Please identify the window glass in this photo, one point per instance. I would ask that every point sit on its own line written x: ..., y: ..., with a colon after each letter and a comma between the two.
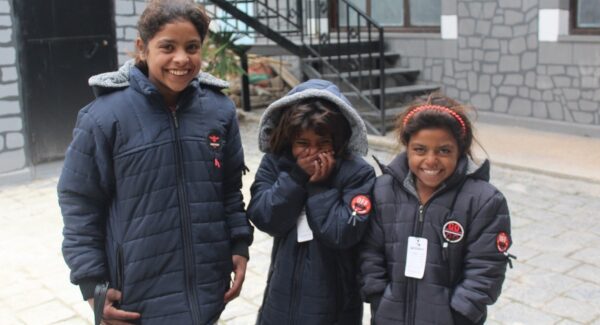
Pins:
x: 344, y: 12
x: 388, y: 12
x: 588, y: 14
x: 426, y: 12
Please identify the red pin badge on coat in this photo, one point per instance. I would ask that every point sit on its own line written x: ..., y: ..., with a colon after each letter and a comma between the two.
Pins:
x: 502, y: 241
x: 453, y: 231
x: 361, y: 204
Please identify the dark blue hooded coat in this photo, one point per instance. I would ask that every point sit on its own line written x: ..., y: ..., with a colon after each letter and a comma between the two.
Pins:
x: 312, y: 282
x: 462, y: 276
x: 151, y: 199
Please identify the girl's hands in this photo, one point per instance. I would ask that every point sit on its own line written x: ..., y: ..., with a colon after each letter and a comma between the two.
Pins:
x: 319, y: 166
x: 111, y: 315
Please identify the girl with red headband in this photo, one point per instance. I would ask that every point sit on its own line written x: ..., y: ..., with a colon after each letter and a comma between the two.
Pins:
x: 436, y: 251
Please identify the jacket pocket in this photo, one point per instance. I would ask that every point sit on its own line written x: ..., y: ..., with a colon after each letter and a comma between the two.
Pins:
x: 120, y: 280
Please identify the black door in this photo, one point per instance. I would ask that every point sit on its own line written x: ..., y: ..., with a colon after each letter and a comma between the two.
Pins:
x: 61, y: 43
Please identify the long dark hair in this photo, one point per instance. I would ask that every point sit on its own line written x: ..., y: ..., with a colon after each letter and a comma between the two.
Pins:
x: 321, y: 116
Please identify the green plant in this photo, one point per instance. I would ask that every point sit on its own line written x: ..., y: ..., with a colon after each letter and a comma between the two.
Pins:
x: 221, y: 55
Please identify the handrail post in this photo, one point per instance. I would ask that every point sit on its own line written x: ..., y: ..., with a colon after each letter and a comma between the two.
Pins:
x: 300, y: 12
x: 245, y: 90
x: 382, y: 80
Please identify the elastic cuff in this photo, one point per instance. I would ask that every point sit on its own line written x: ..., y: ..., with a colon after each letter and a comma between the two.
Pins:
x: 316, y: 188
x: 299, y: 175
x: 240, y: 247
x: 87, y: 287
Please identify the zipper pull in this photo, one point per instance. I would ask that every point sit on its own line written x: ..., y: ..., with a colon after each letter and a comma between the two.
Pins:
x: 217, y: 163
x: 445, y: 251
x: 509, y: 258
x: 420, y: 213
x: 174, y: 114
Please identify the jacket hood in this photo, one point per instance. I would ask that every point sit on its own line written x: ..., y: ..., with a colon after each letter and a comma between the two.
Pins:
x: 110, y: 81
x: 321, y: 89
x: 466, y: 167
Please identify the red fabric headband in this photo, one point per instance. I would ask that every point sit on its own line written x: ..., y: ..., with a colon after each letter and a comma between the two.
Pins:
x: 439, y: 109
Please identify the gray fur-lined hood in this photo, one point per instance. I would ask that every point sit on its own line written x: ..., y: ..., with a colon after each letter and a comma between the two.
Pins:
x: 110, y: 81
x: 321, y: 89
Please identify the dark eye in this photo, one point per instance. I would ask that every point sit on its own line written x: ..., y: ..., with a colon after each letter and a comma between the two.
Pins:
x: 301, y: 143
x: 445, y: 151
x: 167, y: 47
x: 419, y: 150
x: 193, y: 48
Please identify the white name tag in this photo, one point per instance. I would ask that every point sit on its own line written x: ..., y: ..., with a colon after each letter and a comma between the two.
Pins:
x: 304, y: 232
x: 416, y: 256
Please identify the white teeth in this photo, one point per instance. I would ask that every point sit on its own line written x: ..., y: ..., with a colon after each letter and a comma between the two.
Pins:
x: 431, y: 171
x: 178, y: 72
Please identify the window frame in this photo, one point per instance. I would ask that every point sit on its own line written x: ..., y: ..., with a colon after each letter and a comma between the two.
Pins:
x: 573, y: 29
x: 406, y: 27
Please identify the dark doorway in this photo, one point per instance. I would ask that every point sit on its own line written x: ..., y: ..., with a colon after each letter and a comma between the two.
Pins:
x: 61, y: 43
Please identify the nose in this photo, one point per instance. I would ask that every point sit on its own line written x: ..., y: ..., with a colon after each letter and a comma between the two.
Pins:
x: 430, y: 159
x: 181, y: 57
x: 312, y: 150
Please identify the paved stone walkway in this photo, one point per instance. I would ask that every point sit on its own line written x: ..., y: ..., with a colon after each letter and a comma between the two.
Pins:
x: 556, y: 236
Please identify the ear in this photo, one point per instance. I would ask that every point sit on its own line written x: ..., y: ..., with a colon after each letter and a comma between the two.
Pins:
x: 141, y: 48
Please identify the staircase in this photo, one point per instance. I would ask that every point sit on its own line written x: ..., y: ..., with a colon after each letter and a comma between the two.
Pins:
x: 347, y: 49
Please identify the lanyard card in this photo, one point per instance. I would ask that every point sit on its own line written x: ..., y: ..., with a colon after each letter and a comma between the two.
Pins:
x: 304, y: 232
x: 416, y: 256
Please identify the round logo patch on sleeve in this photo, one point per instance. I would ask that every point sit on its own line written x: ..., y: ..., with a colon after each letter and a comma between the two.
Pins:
x: 502, y: 241
x: 453, y: 231
x: 361, y: 204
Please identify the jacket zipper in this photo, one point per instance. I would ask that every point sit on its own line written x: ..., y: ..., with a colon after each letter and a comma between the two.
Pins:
x: 297, y: 281
x: 412, y: 283
x: 190, y: 276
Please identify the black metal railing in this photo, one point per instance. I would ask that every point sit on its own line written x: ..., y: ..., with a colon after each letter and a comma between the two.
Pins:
x: 347, y: 46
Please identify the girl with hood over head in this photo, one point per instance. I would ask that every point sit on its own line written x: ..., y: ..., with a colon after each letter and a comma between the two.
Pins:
x: 312, y: 194
x: 150, y: 192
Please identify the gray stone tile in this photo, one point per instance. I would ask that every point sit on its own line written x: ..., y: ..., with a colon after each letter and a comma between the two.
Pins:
x: 47, y: 313
x: 518, y: 313
x: 572, y: 309
x: 552, y: 261
x: 587, y: 272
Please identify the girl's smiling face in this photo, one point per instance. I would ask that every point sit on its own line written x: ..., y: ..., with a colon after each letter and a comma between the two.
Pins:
x: 173, y: 57
x: 432, y: 158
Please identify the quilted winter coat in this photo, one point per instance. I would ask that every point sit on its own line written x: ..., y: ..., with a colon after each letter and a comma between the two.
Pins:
x: 151, y: 199
x: 463, y: 273
x: 313, y: 282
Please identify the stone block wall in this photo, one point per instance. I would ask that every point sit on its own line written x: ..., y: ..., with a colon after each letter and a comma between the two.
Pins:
x: 12, y: 132
x: 127, y: 13
x: 503, y: 63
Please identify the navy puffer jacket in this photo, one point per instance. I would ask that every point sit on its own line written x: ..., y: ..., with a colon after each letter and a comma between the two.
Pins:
x: 152, y: 199
x: 462, y: 276
x: 313, y: 282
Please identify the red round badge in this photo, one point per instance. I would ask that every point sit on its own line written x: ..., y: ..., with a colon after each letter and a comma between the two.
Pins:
x: 361, y: 204
x: 453, y: 231
x: 502, y: 242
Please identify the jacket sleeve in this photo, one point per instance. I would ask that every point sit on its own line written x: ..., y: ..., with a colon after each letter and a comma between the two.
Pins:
x: 372, y: 260
x: 235, y: 214
x: 277, y: 195
x: 329, y: 210
x: 84, y: 194
x: 484, y: 263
